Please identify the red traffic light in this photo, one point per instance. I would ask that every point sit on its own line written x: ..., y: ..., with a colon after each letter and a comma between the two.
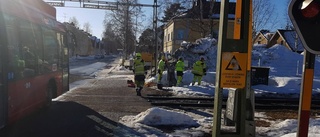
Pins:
x: 310, y: 8
x: 305, y: 17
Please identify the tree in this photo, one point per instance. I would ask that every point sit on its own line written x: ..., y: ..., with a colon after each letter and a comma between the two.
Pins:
x: 173, y: 10
x: 199, y: 17
x: 87, y: 27
x: 289, y: 25
x: 263, y: 16
x: 123, y: 24
x: 110, y: 39
x: 73, y: 20
x: 146, y: 41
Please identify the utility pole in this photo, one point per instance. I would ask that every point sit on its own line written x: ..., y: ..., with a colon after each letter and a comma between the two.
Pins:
x: 155, y: 35
x: 136, y: 41
x: 126, y: 30
x: 64, y: 17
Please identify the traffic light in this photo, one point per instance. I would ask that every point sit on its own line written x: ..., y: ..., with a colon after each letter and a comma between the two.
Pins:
x: 305, y: 17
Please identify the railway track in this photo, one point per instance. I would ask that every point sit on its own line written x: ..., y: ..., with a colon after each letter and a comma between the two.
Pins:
x: 208, y: 102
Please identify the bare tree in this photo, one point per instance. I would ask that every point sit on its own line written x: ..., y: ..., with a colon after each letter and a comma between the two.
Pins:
x: 87, y: 27
x: 289, y: 25
x: 263, y: 15
x: 199, y: 17
x: 73, y: 20
x: 124, y: 24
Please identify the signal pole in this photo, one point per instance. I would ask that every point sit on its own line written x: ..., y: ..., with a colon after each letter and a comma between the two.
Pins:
x: 306, y: 94
x: 237, y: 51
x: 305, y: 17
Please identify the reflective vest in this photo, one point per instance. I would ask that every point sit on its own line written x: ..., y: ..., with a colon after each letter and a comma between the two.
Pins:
x: 180, y: 66
x: 199, y: 68
x: 138, y: 67
x: 161, y: 65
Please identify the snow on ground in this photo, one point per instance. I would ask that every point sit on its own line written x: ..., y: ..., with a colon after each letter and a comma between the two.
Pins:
x: 284, y: 81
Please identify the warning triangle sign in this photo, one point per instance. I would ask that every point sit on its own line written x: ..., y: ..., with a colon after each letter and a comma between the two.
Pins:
x: 233, y: 64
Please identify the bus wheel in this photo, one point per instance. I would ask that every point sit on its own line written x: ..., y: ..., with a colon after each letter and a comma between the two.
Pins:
x: 50, y: 91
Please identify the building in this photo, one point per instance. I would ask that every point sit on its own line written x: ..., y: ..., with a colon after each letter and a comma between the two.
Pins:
x: 287, y: 38
x: 191, y: 26
x: 263, y: 37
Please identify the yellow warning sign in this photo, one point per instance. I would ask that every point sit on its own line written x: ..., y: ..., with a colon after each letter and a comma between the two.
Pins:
x: 233, y: 70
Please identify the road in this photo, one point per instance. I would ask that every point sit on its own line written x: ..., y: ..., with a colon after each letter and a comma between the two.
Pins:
x: 92, y: 110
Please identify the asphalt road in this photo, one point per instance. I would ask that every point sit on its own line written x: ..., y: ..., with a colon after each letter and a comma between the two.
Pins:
x: 90, y: 111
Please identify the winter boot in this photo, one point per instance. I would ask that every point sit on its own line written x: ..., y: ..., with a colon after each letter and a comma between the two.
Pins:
x: 139, y: 91
x: 159, y: 86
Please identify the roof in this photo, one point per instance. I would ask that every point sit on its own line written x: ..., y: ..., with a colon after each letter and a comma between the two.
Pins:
x: 291, y: 37
x: 265, y: 34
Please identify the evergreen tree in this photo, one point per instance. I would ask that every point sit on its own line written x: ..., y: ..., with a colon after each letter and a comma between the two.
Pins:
x: 173, y: 10
x: 146, y: 41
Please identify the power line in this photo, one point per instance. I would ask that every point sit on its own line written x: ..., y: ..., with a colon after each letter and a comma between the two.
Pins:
x: 96, y: 4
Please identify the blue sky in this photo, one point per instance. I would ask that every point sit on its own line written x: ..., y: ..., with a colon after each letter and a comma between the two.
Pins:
x: 95, y: 16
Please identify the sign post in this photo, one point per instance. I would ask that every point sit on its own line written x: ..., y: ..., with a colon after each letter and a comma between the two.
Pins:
x: 234, y: 70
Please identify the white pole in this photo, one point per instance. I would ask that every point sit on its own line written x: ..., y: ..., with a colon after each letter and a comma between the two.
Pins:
x: 297, y: 68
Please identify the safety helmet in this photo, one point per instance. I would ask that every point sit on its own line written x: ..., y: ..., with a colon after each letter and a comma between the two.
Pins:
x: 163, y: 57
x: 138, y: 55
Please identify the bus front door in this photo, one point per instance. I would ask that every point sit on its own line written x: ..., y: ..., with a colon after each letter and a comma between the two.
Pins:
x: 3, y: 83
x: 3, y: 97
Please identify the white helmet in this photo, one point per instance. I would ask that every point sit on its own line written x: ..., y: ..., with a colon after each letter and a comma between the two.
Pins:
x: 202, y: 58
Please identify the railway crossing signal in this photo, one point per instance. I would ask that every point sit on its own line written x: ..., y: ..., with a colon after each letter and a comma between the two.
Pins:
x: 305, y: 17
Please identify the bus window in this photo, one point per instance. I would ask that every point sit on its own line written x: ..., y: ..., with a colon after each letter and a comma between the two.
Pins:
x: 60, y: 40
x: 51, y: 48
x: 16, y: 63
x: 29, y: 47
x: 65, y: 52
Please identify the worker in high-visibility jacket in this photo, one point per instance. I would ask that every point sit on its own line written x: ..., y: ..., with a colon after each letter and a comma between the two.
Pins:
x: 139, y: 73
x: 161, y: 67
x: 179, y: 70
x: 199, y: 69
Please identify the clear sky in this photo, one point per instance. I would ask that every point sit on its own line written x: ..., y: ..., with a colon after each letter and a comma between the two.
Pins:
x: 96, y: 16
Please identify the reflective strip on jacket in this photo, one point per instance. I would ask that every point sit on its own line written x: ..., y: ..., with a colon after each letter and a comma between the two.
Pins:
x: 138, y: 67
x: 180, y: 66
x: 199, y: 68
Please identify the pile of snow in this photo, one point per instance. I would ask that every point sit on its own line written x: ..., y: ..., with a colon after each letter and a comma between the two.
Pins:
x: 280, y: 60
x: 146, y: 123
x: 158, y: 117
x: 191, y: 52
x: 285, y: 69
x: 79, y: 66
